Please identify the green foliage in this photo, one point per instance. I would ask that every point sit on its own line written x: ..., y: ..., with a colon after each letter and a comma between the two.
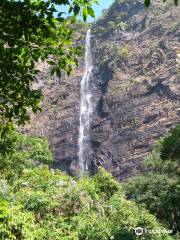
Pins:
x: 123, y: 52
x: 122, y: 25
x: 100, y: 30
x: 111, y: 26
x: 111, y: 20
x: 20, y: 151
x: 170, y: 148
x: 159, y: 189
x: 134, y: 122
x: 33, y: 31
x: 15, y: 223
x: 55, y: 206
x: 44, y: 204
x: 106, y: 185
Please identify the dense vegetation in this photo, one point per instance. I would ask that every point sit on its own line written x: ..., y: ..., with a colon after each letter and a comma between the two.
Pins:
x: 159, y: 189
x: 39, y: 203
x: 33, y: 31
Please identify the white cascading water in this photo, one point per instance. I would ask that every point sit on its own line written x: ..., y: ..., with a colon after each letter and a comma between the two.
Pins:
x: 85, y: 108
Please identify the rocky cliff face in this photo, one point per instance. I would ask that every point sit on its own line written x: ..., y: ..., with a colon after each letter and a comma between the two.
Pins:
x: 135, y: 85
x: 59, y: 118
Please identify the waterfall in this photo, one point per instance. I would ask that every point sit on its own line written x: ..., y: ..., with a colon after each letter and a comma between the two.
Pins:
x: 85, y: 109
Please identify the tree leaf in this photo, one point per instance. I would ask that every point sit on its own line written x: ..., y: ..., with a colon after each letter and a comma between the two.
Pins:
x: 147, y: 3
x: 91, y: 12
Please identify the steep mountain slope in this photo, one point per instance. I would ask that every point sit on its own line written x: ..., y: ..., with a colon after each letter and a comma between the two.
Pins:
x: 135, y: 85
x: 59, y: 118
x: 136, y: 81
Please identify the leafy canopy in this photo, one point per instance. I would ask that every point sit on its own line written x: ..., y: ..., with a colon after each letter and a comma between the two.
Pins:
x: 159, y: 189
x: 41, y: 204
x: 37, y: 203
x: 19, y: 152
x: 32, y: 31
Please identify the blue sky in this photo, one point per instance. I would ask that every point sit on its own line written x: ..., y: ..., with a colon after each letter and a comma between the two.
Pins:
x: 103, y: 4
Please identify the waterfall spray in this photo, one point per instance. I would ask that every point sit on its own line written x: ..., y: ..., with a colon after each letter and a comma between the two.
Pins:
x: 85, y: 109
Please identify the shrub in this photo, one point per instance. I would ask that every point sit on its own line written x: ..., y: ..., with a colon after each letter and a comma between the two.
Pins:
x: 16, y: 223
x: 42, y: 204
x: 159, y: 189
x: 19, y: 151
x: 123, y: 52
x: 56, y: 207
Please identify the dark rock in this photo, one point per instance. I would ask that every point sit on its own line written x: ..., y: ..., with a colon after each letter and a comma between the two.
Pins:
x: 136, y: 96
